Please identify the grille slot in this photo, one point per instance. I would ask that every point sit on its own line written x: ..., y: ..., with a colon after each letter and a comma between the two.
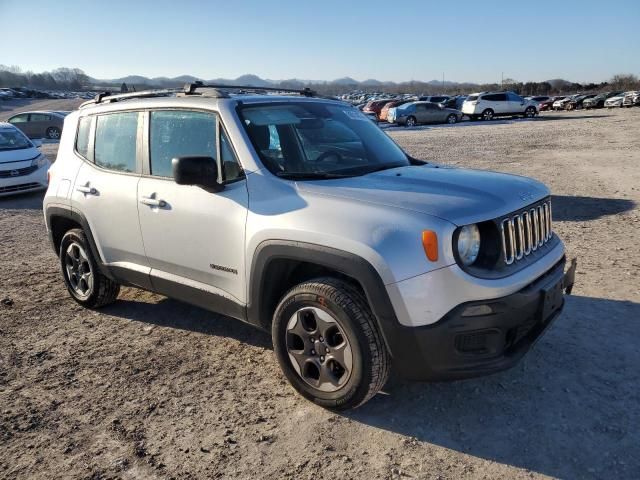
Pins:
x: 18, y: 172
x: 525, y: 232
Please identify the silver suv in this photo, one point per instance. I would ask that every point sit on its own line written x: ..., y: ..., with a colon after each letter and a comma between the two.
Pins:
x: 298, y: 215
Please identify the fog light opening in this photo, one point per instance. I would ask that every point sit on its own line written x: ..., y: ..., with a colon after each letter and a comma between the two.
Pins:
x: 477, y: 310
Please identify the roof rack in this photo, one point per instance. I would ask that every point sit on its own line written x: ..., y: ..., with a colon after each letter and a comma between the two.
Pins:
x: 191, y: 89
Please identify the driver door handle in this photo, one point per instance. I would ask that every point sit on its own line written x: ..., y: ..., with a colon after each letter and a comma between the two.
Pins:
x: 153, y: 202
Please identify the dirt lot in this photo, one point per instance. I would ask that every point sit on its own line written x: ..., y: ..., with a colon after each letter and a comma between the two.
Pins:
x: 153, y: 388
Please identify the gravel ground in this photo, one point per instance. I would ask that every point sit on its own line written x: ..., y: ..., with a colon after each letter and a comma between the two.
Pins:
x: 153, y: 388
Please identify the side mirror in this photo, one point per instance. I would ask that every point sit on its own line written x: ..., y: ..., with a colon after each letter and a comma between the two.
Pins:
x: 199, y: 171
x: 37, y: 143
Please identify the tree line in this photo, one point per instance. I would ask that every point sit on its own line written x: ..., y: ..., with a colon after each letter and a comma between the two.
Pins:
x: 58, y: 79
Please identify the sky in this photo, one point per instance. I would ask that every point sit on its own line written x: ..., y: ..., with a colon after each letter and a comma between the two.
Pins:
x: 397, y: 40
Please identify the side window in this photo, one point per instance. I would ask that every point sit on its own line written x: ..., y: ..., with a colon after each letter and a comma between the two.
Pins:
x: 231, y: 169
x: 39, y: 117
x: 115, y: 143
x: 501, y: 97
x: 82, y: 140
x: 180, y: 133
x: 515, y: 98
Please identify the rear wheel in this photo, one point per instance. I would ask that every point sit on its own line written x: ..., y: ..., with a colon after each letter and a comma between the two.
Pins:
x: 487, y: 114
x: 411, y: 121
x: 530, y: 112
x: 53, y: 133
x: 84, y: 281
x: 328, y: 345
x: 451, y: 119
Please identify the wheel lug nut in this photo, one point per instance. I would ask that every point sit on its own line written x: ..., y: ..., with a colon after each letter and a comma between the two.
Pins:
x: 311, y: 339
x: 322, y: 359
x: 321, y: 339
x: 313, y: 352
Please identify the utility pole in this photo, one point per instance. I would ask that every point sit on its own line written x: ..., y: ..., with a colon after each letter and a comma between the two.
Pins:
x: 442, y: 82
x: 502, y: 82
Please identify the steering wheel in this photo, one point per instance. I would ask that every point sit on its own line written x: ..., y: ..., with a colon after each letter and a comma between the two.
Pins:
x: 328, y: 154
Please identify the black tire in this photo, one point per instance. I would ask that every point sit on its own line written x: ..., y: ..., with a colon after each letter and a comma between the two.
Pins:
x: 451, y: 119
x: 349, y: 309
x: 53, y: 133
x: 529, y: 112
x: 411, y: 121
x: 487, y: 114
x: 102, y: 290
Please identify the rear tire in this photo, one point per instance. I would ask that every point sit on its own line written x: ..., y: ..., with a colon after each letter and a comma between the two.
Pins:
x: 411, y: 121
x: 327, y: 343
x: 529, y: 112
x: 487, y: 115
x: 84, y: 281
x: 451, y: 119
x: 53, y: 133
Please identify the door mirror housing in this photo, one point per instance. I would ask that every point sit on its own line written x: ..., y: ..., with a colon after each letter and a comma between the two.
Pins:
x: 199, y: 171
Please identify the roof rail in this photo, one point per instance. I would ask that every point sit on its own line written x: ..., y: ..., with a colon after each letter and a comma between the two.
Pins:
x: 191, y: 89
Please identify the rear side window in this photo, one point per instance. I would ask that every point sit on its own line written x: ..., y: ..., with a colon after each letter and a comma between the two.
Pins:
x: 472, y: 98
x: 39, y: 117
x: 180, y: 133
x: 115, y: 143
x: 82, y: 140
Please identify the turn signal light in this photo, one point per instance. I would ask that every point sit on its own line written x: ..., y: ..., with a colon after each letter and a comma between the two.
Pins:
x: 430, y: 244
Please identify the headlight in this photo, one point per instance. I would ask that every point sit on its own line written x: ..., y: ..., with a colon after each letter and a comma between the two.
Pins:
x: 39, y: 161
x: 468, y: 244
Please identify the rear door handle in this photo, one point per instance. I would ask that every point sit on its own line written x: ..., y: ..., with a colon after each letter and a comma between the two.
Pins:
x: 152, y: 202
x: 87, y: 190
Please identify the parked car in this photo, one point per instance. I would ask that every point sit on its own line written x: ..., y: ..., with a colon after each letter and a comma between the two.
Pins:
x: 375, y: 106
x: 39, y: 124
x: 576, y: 103
x: 22, y: 167
x: 631, y: 99
x: 415, y: 113
x: 6, y: 94
x: 598, y: 100
x: 561, y: 103
x: 454, y: 102
x: 343, y: 295
x: 615, y: 101
x: 434, y: 98
x: 385, y: 110
x: 487, y: 105
x: 545, y: 105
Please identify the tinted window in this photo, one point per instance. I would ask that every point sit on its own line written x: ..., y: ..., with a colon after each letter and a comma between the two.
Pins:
x: 515, y: 98
x: 472, y: 98
x: 438, y: 99
x: 39, y: 117
x: 432, y: 106
x: 180, y: 133
x: 82, y: 141
x: 495, y: 97
x: 115, y: 144
x: 19, y: 119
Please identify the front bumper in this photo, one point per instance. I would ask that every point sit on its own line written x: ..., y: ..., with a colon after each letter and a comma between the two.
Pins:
x: 462, y: 346
x: 32, y: 182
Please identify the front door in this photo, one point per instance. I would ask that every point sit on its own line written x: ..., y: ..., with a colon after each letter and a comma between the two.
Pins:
x: 194, y: 239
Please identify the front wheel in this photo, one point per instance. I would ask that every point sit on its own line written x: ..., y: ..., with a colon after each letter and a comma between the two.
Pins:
x: 84, y: 281
x: 328, y: 345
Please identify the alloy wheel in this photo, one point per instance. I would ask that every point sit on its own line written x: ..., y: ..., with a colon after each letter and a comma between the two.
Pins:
x: 78, y: 270
x: 318, y: 349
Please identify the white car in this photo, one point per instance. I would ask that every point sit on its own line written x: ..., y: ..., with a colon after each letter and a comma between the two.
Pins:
x: 615, y: 101
x: 23, y: 168
x: 487, y: 105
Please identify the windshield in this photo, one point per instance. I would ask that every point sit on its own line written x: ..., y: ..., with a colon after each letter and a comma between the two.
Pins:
x: 312, y: 139
x: 11, y: 139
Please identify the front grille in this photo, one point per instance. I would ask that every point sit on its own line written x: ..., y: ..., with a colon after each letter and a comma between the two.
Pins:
x: 19, y: 188
x: 525, y: 232
x: 18, y: 172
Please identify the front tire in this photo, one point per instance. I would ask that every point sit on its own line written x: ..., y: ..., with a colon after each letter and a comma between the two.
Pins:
x: 84, y: 281
x: 327, y: 343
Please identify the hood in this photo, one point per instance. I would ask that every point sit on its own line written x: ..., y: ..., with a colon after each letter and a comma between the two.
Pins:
x: 24, y: 154
x: 460, y: 196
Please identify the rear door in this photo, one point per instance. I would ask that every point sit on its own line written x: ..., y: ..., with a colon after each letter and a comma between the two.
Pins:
x: 194, y: 239
x: 516, y: 103
x: 105, y: 191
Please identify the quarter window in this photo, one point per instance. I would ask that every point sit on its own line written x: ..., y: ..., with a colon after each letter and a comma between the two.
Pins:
x: 230, y: 167
x: 179, y: 133
x: 115, y: 144
x: 82, y: 141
